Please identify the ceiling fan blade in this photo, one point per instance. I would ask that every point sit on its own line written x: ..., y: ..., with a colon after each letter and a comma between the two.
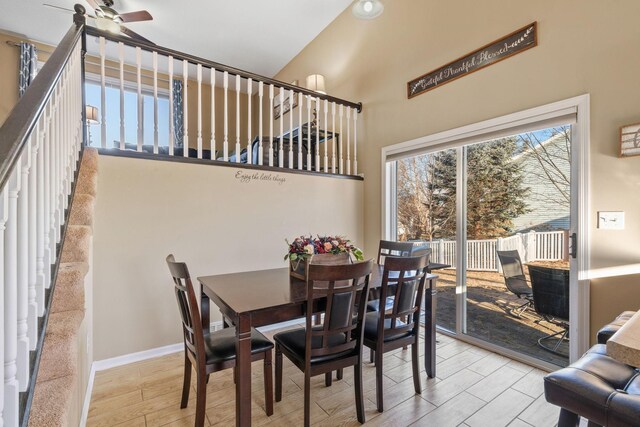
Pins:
x: 94, y: 4
x: 134, y: 35
x: 140, y: 15
x: 64, y: 9
x: 58, y: 7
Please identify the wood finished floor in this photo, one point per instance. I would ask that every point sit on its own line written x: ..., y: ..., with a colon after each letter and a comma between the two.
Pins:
x: 473, y: 388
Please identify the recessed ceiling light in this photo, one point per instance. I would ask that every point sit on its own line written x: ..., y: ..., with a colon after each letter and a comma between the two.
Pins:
x: 367, y: 9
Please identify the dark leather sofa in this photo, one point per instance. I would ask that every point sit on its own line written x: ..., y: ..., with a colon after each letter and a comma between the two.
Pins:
x: 597, y: 387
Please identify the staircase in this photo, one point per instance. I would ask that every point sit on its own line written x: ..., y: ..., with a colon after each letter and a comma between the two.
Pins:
x: 60, y: 384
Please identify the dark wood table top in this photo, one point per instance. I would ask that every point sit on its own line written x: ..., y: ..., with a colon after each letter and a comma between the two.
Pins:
x: 250, y: 291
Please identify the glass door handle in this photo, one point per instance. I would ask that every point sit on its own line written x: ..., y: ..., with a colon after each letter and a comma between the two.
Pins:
x: 573, y: 250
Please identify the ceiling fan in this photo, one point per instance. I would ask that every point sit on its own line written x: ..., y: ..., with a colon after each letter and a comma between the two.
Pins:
x: 108, y: 19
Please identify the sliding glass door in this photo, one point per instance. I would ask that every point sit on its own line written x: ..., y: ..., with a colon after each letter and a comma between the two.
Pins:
x: 496, y: 213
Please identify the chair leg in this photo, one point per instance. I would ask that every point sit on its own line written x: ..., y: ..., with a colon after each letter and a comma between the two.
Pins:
x: 372, y: 355
x: 186, y: 385
x: 357, y: 381
x: 201, y: 400
x: 307, y: 399
x: 415, y: 367
x: 278, y: 373
x: 268, y: 383
x: 568, y: 419
x: 379, y: 378
x: 339, y: 373
x: 328, y: 379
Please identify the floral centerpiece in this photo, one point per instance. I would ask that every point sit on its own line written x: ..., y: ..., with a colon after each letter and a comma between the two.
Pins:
x: 303, y: 248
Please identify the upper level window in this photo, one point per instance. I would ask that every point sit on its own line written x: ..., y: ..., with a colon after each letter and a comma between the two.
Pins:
x: 112, y: 120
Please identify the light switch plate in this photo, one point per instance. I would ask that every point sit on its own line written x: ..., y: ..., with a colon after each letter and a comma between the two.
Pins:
x: 611, y: 220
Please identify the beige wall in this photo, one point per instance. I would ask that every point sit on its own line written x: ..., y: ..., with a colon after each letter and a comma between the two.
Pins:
x: 9, y: 57
x: 584, y: 46
x: 9, y: 64
x: 207, y: 218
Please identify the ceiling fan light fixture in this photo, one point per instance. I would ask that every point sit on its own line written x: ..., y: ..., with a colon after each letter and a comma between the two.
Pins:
x: 106, y: 24
x: 367, y: 9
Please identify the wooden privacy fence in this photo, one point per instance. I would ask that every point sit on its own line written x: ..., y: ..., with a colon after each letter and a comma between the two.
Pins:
x: 482, y: 254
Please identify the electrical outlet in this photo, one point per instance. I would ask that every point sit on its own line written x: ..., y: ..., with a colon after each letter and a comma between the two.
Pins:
x: 613, y: 220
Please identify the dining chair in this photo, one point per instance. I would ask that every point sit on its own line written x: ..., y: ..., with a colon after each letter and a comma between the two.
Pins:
x: 399, y: 326
x: 550, y: 288
x: 337, y: 343
x: 210, y: 352
x: 515, y: 280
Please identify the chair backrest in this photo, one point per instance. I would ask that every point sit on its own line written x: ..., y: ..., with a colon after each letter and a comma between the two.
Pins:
x: 331, y: 259
x: 391, y: 248
x: 514, y: 278
x: 404, y: 279
x: 550, y: 288
x: 188, y: 308
x: 346, y: 288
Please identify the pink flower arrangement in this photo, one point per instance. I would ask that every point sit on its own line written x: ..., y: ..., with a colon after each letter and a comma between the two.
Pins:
x: 305, y: 247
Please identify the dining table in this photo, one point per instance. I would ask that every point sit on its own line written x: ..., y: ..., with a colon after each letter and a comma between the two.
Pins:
x: 266, y: 297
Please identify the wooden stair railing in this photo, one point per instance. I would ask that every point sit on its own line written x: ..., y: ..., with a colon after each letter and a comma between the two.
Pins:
x: 40, y: 146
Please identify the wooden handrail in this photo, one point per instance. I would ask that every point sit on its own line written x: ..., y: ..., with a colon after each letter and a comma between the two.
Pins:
x: 16, y: 130
x: 150, y: 47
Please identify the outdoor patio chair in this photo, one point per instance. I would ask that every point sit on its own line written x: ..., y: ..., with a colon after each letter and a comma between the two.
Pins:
x: 515, y: 280
x: 550, y: 288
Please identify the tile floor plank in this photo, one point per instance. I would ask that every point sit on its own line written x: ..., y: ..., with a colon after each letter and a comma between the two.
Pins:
x: 473, y: 387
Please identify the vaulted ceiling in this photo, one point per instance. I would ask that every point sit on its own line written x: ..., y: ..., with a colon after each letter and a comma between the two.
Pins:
x: 261, y: 36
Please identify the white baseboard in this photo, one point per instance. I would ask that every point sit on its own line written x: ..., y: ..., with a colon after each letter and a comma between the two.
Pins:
x: 113, y: 362
x: 286, y: 324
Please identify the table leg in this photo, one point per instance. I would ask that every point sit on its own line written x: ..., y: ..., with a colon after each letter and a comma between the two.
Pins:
x: 205, y: 312
x: 430, y: 329
x: 243, y: 370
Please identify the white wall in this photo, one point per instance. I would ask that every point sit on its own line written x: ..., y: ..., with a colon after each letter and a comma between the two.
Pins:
x: 207, y: 217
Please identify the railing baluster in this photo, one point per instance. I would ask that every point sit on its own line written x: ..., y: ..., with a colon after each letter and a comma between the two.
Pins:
x: 271, y: 125
x: 213, y: 113
x: 48, y: 255
x: 4, y: 213
x: 11, y: 385
x: 300, y: 160
x: 199, y: 77
x: 185, y: 108
x: 309, y: 100
x: 333, y: 137
x: 32, y: 308
x: 260, y: 149
x: 155, y: 102
x: 355, y: 142
x: 139, y: 99
x: 121, y: 57
x: 326, y: 136
x: 249, y: 93
x: 103, y: 96
x: 225, y: 146
x: 341, y: 137
x: 23, y: 269
x: 317, y: 168
x: 40, y: 278
x: 171, y: 102
x: 281, y: 145
x: 290, y: 127
x: 348, y: 140
x: 238, y: 149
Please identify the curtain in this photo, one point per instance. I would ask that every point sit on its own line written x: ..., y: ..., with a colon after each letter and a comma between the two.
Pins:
x: 28, y: 66
x: 178, y: 117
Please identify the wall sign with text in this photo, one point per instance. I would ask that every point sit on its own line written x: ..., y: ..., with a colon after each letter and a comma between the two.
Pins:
x: 516, y: 42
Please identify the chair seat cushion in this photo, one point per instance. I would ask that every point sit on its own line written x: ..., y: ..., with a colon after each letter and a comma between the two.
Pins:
x: 220, y: 346
x: 371, y: 328
x: 294, y: 342
x: 598, y: 388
